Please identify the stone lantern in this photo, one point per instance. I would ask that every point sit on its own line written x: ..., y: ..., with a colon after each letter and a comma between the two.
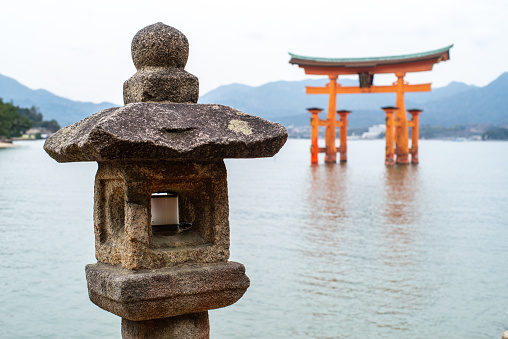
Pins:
x: 163, y: 279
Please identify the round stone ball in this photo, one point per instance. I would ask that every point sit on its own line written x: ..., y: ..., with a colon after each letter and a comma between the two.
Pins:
x: 159, y: 45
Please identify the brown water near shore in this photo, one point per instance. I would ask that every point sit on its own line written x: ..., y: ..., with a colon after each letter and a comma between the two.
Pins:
x: 6, y: 145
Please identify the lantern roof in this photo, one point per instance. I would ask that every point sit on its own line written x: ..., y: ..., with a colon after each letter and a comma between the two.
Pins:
x: 167, y: 131
x: 161, y: 119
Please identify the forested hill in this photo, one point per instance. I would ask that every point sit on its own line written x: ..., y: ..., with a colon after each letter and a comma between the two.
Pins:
x: 285, y: 102
x: 53, y: 107
x: 15, y: 121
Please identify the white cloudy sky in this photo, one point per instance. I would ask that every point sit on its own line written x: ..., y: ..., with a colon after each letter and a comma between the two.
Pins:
x: 81, y: 49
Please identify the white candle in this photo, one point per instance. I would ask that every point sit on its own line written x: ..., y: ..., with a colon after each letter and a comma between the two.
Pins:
x: 165, y: 209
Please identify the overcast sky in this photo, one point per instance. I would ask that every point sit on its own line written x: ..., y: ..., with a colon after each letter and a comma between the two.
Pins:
x: 81, y: 49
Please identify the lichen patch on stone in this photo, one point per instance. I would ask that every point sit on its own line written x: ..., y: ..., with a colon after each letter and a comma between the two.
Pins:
x: 66, y: 129
x: 240, y: 126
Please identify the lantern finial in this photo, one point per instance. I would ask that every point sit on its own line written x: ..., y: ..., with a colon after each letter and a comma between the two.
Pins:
x: 160, y: 53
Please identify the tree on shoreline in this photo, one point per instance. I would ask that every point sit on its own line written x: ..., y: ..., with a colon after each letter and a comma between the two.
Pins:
x: 37, y: 119
x: 14, y: 121
x: 498, y: 133
x: 11, y: 122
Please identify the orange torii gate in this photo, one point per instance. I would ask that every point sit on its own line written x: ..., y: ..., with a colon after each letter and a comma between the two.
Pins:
x: 366, y: 68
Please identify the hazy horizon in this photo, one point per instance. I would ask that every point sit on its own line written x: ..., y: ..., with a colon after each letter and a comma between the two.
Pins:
x: 81, y: 50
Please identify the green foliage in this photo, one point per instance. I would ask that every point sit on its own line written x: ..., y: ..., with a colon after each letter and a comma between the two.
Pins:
x: 51, y: 125
x: 15, y: 120
x: 31, y: 113
x: 37, y: 119
x: 11, y: 122
x: 499, y: 133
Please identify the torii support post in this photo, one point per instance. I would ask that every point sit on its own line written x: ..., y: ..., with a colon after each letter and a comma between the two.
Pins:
x: 314, y: 133
x: 331, y: 150
x: 343, y: 134
x: 415, y: 133
x: 401, y: 125
x: 389, y: 136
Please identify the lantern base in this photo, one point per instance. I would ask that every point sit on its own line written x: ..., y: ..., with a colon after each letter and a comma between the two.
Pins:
x: 166, y: 292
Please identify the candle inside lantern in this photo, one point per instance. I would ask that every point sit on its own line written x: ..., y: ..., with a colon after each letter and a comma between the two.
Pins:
x: 164, y: 209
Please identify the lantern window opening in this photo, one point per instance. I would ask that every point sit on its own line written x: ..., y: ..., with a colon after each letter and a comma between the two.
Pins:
x: 165, y: 214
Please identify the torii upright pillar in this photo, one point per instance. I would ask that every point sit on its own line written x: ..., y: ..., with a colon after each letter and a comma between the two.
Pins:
x: 401, y: 126
x: 330, y: 135
x: 415, y: 133
x: 389, y: 135
x: 314, y: 133
x: 343, y: 134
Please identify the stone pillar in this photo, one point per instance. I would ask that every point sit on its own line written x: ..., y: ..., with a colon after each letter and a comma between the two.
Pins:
x: 187, y: 326
x: 162, y: 279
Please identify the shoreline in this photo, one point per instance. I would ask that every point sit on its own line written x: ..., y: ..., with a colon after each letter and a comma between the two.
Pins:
x: 6, y: 145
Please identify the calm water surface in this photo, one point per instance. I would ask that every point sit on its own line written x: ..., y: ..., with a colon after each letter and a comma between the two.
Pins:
x: 334, y: 251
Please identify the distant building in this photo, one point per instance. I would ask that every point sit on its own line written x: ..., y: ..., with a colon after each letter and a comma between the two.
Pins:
x: 375, y: 132
x: 36, y: 133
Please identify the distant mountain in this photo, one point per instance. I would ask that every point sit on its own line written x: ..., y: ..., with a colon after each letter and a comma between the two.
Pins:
x: 479, y: 105
x: 286, y: 101
x: 51, y: 106
x: 454, y: 87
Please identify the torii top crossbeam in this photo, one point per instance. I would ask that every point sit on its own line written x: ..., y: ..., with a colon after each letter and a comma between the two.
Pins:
x: 366, y: 68
x: 417, y: 62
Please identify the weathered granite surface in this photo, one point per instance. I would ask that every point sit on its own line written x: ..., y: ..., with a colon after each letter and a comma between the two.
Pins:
x: 159, y: 45
x: 122, y: 213
x: 187, y: 326
x: 160, y: 53
x: 162, y: 293
x: 155, y: 131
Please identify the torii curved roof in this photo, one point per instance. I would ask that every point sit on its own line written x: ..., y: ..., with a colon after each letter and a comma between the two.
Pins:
x: 387, y: 64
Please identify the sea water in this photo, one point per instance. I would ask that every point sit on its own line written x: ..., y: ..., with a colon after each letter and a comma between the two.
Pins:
x: 355, y: 250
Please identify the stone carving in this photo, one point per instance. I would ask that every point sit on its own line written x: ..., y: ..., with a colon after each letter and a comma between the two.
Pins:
x: 163, y: 141
x: 160, y: 53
